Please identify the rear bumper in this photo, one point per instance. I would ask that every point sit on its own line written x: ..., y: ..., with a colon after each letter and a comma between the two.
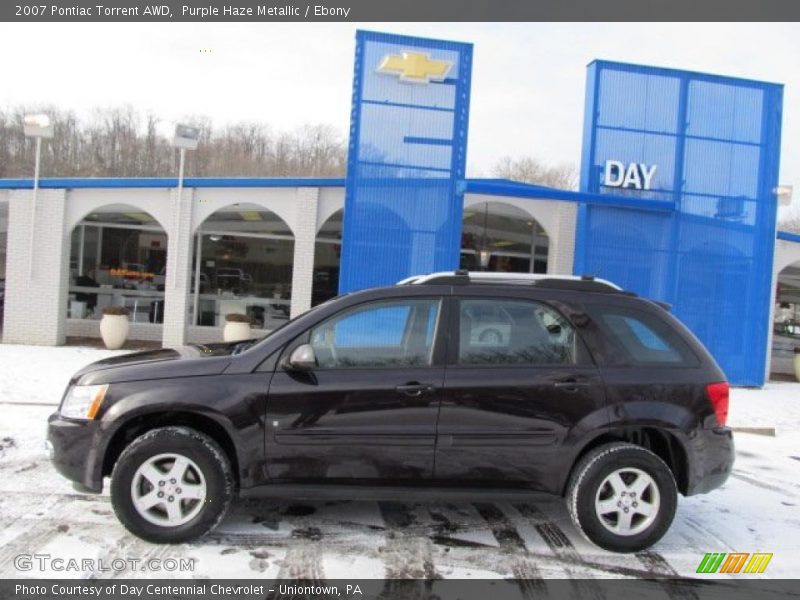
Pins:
x: 72, y: 446
x: 711, y: 456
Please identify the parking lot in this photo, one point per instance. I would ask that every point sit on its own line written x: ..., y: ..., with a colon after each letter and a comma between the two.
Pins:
x: 40, y: 514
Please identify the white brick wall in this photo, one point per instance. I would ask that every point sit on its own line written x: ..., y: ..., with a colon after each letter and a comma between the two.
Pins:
x: 305, y: 234
x: 561, y: 253
x: 179, y: 261
x: 36, y: 298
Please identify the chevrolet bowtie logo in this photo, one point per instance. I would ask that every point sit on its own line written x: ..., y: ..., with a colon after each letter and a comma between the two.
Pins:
x: 415, y: 67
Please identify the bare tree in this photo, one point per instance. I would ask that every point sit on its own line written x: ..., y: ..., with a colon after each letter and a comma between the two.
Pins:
x: 527, y: 169
x: 790, y: 223
x: 119, y: 142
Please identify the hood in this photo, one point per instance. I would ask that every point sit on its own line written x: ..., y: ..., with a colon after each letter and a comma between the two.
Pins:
x: 185, y: 361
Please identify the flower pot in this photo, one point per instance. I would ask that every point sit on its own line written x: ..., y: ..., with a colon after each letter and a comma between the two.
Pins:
x: 236, y: 332
x: 797, y: 366
x: 114, y: 330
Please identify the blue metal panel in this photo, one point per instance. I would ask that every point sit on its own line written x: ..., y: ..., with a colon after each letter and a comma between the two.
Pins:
x: 715, y: 142
x: 789, y: 236
x: 404, y: 199
x: 514, y: 189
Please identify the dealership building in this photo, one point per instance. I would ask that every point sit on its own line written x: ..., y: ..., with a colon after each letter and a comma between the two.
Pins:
x: 678, y: 202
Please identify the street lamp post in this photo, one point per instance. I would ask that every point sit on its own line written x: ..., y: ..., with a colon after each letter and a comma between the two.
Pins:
x: 38, y: 127
x: 485, y: 253
x: 186, y: 138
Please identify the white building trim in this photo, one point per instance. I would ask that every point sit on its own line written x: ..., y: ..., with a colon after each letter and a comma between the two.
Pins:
x: 36, y: 308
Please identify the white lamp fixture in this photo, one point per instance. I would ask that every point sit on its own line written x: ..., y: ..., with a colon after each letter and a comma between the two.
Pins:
x: 784, y: 194
x: 186, y: 137
x: 40, y: 127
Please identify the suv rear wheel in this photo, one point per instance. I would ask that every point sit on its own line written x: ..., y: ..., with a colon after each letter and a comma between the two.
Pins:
x: 622, y: 497
x: 171, y: 485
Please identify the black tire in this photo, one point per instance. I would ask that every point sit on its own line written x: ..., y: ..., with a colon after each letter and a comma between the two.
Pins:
x: 588, y: 484
x: 214, y: 472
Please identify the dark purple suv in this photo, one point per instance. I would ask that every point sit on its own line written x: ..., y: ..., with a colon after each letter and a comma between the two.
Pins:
x: 450, y: 382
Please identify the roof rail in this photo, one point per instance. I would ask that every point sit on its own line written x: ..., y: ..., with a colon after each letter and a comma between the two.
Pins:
x: 463, y: 277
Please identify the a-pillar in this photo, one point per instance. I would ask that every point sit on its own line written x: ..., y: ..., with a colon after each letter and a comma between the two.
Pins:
x: 305, y: 235
x: 37, y: 273
x: 178, y: 276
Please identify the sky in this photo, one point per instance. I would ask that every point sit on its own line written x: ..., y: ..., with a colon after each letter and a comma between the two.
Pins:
x: 527, y: 88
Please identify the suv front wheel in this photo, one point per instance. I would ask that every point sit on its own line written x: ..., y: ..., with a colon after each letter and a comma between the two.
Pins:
x: 171, y: 485
x: 622, y: 497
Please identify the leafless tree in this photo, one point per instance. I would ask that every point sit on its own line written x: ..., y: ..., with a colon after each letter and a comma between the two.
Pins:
x: 120, y: 142
x: 531, y: 170
x: 790, y: 223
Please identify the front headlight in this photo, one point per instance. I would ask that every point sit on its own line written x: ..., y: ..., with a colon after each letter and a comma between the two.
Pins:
x: 83, y: 401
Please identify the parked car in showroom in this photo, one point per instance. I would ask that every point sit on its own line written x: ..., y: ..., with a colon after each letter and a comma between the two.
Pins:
x: 594, y: 394
x: 229, y: 278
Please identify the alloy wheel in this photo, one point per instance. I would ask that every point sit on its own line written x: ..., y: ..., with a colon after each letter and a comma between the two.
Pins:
x: 627, y: 501
x: 168, y: 490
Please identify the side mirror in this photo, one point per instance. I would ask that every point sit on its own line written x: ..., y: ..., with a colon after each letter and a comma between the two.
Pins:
x: 302, y: 358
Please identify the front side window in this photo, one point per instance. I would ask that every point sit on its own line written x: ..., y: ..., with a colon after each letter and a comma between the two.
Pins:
x: 513, y: 332
x: 397, y: 333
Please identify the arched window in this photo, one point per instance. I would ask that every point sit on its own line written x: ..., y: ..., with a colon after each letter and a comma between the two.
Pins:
x: 500, y: 237
x: 118, y: 257
x: 242, y: 263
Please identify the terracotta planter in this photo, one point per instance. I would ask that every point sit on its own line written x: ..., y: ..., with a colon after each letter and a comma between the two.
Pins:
x: 236, y: 332
x: 114, y: 330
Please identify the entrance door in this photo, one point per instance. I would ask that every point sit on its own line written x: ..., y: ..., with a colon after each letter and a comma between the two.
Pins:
x: 369, y: 409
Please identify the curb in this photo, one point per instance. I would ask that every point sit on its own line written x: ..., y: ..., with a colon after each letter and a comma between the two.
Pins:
x: 769, y: 431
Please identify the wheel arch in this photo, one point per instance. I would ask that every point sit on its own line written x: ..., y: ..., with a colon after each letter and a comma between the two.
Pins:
x: 142, y: 423
x: 660, y: 442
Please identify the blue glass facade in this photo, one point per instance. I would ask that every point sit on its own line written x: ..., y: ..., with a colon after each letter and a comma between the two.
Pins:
x: 406, y: 161
x: 711, y: 147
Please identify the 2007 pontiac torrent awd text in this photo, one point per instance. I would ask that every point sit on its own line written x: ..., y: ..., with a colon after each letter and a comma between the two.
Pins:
x: 453, y: 382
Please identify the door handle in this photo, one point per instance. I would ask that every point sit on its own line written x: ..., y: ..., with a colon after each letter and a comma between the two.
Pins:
x: 570, y: 385
x: 414, y: 390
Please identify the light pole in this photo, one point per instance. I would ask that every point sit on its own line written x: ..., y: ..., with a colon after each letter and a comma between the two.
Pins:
x: 485, y: 254
x: 39, y: 127
x: 186, y: 138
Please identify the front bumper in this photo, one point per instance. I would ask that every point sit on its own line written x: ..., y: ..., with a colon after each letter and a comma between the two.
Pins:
x: 711, y: 455
x: 73, y: 448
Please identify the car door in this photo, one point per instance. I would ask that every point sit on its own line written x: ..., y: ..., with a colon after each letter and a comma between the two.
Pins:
x: 368, y: 410
x: 517, y: 391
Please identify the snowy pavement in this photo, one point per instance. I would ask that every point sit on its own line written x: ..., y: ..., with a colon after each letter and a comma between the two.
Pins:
x: 756, y: 511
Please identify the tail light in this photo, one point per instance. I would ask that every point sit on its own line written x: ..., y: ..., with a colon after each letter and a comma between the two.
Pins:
x: 718, y: 394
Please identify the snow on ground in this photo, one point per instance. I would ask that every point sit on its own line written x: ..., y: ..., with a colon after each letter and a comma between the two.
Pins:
x: 39, y: 374
x: 756, y: 510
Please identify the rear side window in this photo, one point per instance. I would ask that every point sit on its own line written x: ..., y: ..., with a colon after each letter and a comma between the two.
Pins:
x: 513, y: 332
x: 639, y: 338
